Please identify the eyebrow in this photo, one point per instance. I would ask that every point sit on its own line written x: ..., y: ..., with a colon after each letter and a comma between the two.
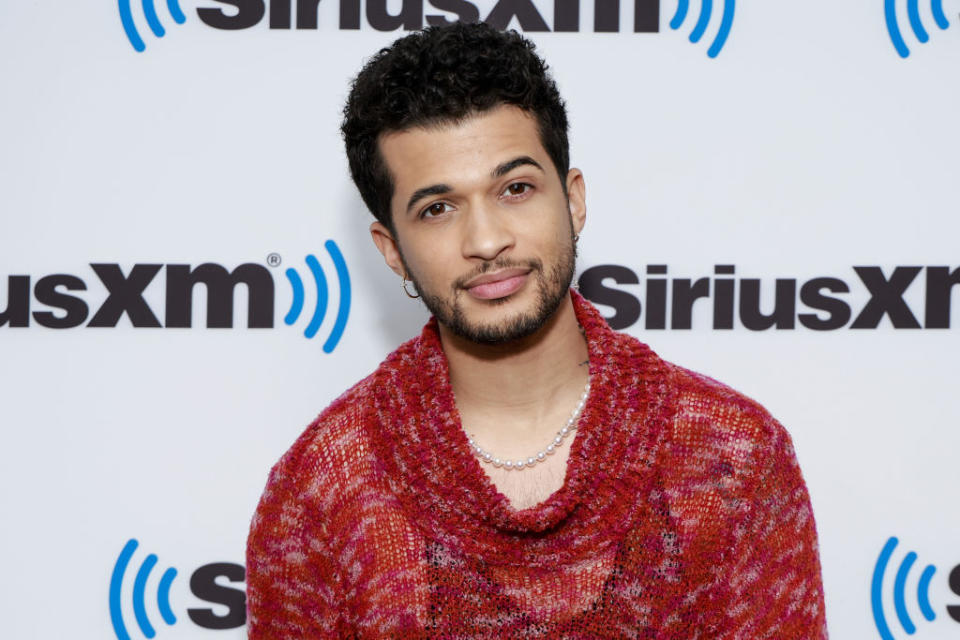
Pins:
x: 426, y: 192
x: 510, y: 165
x: 498, y: 172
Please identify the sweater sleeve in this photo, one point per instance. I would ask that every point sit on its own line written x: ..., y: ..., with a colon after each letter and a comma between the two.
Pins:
x: 773, y: 576
x: 293, y: 589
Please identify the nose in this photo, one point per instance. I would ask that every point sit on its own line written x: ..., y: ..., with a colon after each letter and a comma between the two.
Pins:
x: 486, y: 233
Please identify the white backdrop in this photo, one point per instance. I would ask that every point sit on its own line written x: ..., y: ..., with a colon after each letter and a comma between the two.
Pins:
x: 807, y: 147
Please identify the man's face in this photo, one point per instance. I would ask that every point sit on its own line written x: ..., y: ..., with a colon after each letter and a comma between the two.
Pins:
x: 481, y: 223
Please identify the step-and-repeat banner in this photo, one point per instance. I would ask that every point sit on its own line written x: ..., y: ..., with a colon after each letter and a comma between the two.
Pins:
x: 186, y: 276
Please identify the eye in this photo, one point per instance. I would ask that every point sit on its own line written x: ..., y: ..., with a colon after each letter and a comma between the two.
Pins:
x: 435, y: 209
x: 516, y: 189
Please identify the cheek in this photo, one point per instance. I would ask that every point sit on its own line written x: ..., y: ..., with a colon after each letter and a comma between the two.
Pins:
x: 551, y: 229
x: 432, y: 264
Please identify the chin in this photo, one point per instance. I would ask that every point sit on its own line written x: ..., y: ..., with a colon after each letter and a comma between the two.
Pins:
x: 501, y: 333
x: 508, y: 319
x: 506, y: 326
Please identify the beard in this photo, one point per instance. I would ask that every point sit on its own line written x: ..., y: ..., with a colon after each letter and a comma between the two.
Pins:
x: 551, y: 288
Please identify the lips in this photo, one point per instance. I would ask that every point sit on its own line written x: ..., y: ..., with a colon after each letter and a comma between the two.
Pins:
x: 501, y: 284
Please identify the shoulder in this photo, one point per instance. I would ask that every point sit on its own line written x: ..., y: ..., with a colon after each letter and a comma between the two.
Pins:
x: 710, y: 427
x: 713, y: 417
x: 321, y: 458
x: 294, y: 587
x: 332, y: 460
x: 722, y: 456
x: 722, y: 452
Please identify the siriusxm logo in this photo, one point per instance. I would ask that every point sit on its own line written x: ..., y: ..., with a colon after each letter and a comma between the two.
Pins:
x: 320, y: 309
x: 126, y: 296
x: 916, y: 23
x: 235, y: 15
x: 150, y: 15
x: 920, y: 597
x: 730, y: 298
x: 706, y: 7
x: 202, y: 584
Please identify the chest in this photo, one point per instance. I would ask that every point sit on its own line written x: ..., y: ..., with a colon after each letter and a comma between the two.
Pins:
x: 530, y: 486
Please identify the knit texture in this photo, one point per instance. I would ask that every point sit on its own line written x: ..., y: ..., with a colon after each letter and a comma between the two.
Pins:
x: 683, y: 515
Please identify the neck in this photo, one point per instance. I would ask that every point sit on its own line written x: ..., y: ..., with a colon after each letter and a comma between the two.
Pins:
x: 519, y: 386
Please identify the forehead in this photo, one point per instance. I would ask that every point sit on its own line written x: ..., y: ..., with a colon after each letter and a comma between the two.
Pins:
x: 462, y: 152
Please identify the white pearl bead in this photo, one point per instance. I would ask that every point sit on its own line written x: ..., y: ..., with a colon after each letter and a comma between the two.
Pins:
x: 541, y: 455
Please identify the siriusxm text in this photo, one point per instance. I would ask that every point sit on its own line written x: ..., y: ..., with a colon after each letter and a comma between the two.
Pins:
x: 416, y: 14
x: 125, y: 295
x: 820, y: 303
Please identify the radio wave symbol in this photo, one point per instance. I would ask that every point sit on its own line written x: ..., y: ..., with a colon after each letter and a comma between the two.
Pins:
x: 150, y: 13
x: 700, y: 28
x: 139, y: 587
x: 913, y: 13
x: 899, y: 584
x: 320, y: 280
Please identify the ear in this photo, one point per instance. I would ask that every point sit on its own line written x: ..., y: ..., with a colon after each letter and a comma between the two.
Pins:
x: 577, y: 195
x: 387, y: 246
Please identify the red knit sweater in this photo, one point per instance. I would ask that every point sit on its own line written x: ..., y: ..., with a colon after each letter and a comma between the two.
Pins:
x: 683, y: 515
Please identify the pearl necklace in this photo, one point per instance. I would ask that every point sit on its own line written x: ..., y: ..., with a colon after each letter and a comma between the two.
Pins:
x: 509, y: 465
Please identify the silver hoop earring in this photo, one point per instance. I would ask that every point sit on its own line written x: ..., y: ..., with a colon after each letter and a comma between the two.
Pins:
x: 403, y: 285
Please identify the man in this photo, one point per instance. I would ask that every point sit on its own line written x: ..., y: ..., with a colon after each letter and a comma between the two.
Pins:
x: 519, y: 470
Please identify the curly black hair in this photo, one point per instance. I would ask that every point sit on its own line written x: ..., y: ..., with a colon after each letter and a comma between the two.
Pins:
x: 441, y: 75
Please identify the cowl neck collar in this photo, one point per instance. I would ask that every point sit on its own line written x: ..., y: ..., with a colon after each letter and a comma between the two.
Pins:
x: 420, y: 445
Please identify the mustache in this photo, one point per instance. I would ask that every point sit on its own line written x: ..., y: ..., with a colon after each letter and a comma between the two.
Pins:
x: 533, y: 264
